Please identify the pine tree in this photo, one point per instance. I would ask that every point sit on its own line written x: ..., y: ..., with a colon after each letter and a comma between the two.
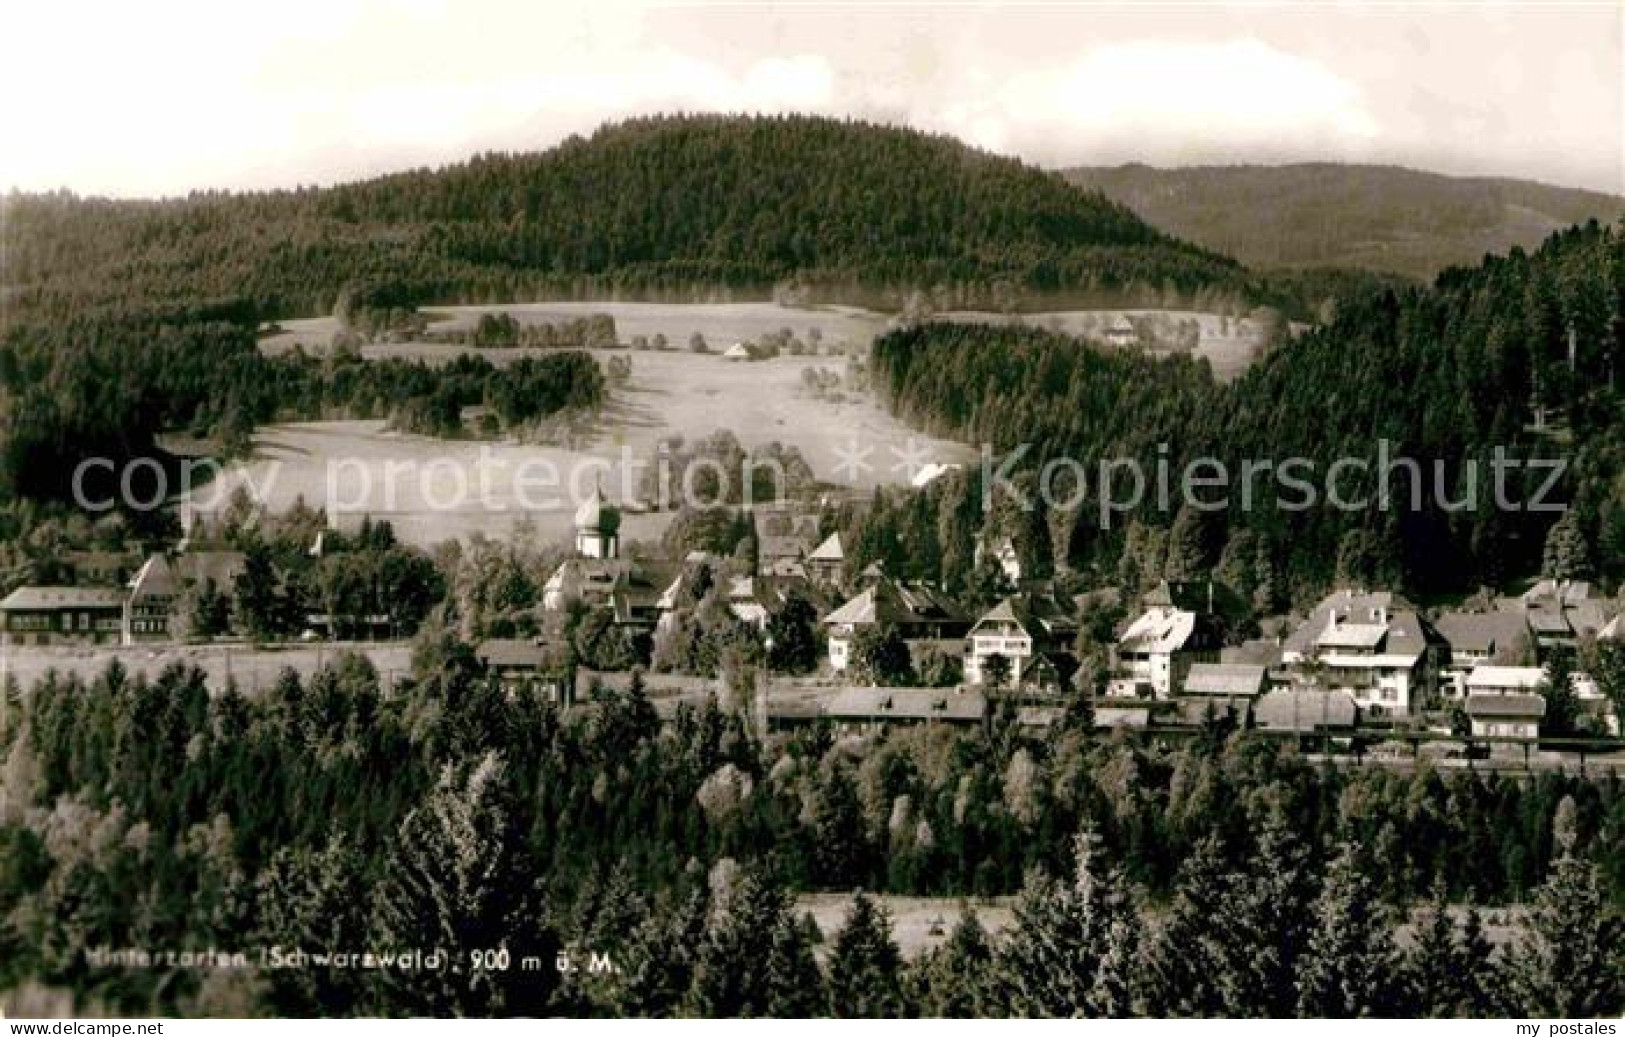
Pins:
x: 865, y: 967
x: 840, y: 855
x: 315, y: 902
x: 1445, y: 965
x: 1190, y: 550
x: 755, y: 960
x: 951, y: 981
x: 1265, y: 924
x: 1349, y: 966
x: 1189, y: 959
x: 460, y: 883
x: 1570, y: 961
x: 1567, y: 555
x: 1051, y: 964
x: 658, y: 964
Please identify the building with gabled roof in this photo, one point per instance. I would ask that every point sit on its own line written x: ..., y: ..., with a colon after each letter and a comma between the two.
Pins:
x: 1376, y: 647
x: 1505, y: 716
x: 918, y: 613
x: 62, y: 615
x: 639, y: 592
x: 153, y: 608
x: 1158, y: 647
x: 1225, y: 680
x: 1476, y: 639
x: 1306, y: 711
x: 520, y: 663
x: 1030, y: 630
x: 1505, y: 680
x: 827, y: 561
x: 862, y: 709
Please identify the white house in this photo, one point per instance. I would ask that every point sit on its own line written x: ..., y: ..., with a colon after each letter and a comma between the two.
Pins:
x: 1376, y: 647
x: 1504, y: 680
x: 1026, y: 629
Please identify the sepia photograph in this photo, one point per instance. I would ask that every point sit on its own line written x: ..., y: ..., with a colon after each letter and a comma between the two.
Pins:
x: 655, y: 510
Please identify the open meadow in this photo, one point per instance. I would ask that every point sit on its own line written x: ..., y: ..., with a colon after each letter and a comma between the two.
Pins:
x: 434, y: 490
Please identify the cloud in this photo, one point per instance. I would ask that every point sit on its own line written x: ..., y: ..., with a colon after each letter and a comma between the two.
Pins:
x: 1160, y: 98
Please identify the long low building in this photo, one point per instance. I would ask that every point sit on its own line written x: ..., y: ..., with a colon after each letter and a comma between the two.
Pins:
x: 62, y: 615
x: 868, y: 708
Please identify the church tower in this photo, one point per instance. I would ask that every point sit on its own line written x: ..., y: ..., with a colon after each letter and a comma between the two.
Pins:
x: 598, y: 525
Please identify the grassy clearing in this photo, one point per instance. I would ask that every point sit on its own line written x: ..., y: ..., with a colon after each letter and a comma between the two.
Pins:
x: 918, y: 923
x: 677, y: 393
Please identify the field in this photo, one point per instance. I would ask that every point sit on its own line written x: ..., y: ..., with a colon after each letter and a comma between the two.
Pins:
x: 252, y: 668
x: 433, y: 490
x: 918, y: 923
x: 722, y: 324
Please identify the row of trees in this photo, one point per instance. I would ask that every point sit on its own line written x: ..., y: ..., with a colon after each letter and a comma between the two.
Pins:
x: 109, y: 385
x: 325, y: 813
x: 1522, y: 355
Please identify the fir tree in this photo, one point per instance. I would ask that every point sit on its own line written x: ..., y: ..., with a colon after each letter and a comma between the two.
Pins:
x: 1570, y: 961
x: 1349, y: 966
x: 1567, y: 555
x: 1051, y: 964
x: 951, y: 981
x: 461, y: 884
x: 865, y: 966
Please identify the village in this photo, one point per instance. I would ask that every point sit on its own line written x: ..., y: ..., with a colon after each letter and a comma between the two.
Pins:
x: 1365, y: 675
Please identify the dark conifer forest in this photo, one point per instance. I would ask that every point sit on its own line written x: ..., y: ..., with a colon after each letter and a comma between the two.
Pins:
x: 1524, y: 353
x: 688, y: 207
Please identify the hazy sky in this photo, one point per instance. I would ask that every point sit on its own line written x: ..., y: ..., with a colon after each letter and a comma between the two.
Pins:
x: 154, y: 97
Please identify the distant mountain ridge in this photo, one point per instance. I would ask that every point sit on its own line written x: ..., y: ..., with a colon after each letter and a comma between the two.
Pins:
x: 1385, y: 218
x: 674, y: 207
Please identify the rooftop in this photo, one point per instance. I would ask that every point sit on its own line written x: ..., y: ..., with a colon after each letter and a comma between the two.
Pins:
x: 1224, y: 679
x: 24, y: 598
x: 1506, y: 706
x: 1292, y: 709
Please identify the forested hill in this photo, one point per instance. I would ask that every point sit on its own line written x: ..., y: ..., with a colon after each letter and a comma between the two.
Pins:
x: 675, y: 207
x: 1323, y: 214
x: 1446, y: 373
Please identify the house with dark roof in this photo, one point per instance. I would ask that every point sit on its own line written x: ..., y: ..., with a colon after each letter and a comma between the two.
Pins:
x: 1034, y: 632
x: 1306, y: 711
x: 158, y: 590
x: 1225, y: 680
x: 102, y: 568
x: 1375, y: 647
x: 786, y: 536
x: 917, y: 612
x: 62, y: 615
x: 867, y: 709
x: 519, y: 663
x: 1478, y: 639
x: 1505, y: 716
x: 639, y: 591
x: 1560, y: 613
